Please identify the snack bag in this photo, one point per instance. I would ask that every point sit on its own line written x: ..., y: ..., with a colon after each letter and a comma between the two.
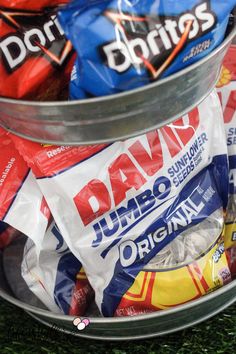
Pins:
x: 56, y: 276
x: 124, y: 44
x: 22, y: 204
x: 7, y: 234
x: 35, y: 57
x: 145, y: 215
x: 227, y: 93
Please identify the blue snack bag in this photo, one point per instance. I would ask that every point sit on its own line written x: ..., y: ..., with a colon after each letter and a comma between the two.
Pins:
x: 125, y: 44
x: 74, y: 86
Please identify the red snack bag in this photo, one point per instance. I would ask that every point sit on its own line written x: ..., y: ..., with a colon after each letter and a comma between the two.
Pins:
x: 35, y: 57
x: 22, y: 205
x: 227, y: 92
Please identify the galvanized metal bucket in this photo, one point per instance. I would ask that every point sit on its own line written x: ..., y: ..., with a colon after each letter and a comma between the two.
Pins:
x: 130, y: 328
x: 117, y: 116
x: 108, y: 119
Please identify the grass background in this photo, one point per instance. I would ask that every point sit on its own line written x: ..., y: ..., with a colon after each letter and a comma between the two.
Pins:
x: 21, y: 334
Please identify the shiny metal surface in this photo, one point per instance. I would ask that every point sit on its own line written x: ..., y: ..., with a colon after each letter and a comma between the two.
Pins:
x: 130, y: 328
x: 117, y: 116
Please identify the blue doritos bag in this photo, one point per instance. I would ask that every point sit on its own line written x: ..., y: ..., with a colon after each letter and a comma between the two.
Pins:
x: 126, y: 44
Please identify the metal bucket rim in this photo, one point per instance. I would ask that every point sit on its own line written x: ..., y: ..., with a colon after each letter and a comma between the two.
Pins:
x: 110, y: 98
x: 136, y: 337
x: 110, y: 320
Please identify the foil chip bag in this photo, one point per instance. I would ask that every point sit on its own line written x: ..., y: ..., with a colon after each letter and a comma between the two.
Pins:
x: 122, y: 45
x: 35, y: 57
x: 145, y: 216
x: 55, y: 275
x: 227, y: 92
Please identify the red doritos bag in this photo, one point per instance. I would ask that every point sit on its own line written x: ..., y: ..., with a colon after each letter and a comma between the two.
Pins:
x: 35, y: 57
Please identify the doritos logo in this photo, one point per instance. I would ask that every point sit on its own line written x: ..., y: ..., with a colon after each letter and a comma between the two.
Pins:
x: 31, y: 34
x: 154, y: 42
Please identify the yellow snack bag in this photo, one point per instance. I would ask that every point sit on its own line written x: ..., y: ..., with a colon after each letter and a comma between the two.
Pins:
x: 183, y: 271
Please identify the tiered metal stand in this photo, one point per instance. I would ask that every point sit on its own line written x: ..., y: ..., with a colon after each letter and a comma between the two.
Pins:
x: 108, y: 119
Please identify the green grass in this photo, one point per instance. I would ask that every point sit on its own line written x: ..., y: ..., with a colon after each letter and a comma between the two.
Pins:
x: 215, y: 336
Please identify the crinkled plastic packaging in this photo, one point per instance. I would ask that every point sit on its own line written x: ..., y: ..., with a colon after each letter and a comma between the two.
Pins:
x: 50, y: 270
x: 22, y: 204
x: 56, y: 276
x: 35, y: 57
x: 227, y: 93
x: 124, y: 44
x: 145, y: 215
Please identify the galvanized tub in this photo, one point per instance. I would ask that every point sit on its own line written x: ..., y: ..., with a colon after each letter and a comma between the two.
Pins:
x: 130, y: 328
x: 117, y: 116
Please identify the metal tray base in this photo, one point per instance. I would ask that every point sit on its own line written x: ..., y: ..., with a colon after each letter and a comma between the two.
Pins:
x: 137, y: 327
x: 156, y: 331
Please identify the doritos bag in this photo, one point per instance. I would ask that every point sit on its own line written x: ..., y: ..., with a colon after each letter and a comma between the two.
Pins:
x: 35, y: 57
x: 125, y: 44
x: 56, y: 276
x: 145, y: 215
